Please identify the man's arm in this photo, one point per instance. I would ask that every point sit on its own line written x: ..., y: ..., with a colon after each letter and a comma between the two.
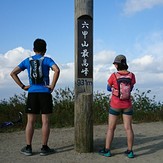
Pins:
x: 14, y: 75
x: 56, y: 70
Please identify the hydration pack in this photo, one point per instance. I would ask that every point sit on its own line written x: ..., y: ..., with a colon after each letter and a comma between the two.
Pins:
x: 124, y: 86
x: 36, y: 74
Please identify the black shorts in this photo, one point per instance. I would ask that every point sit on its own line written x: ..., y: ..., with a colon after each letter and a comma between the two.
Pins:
x: 39, y: 103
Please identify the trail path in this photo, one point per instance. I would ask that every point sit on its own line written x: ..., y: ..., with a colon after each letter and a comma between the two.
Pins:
x: 148, y: 146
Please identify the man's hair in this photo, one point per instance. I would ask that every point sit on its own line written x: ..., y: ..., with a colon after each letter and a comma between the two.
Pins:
x: 39, y: 45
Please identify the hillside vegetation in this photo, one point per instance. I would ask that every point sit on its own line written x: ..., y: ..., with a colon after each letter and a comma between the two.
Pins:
x: 145, y: 109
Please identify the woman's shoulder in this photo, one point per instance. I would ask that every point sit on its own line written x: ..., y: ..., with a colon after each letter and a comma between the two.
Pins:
x: 125, y: 72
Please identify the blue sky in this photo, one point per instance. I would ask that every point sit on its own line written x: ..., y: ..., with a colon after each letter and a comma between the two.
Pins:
x: 130, y: 27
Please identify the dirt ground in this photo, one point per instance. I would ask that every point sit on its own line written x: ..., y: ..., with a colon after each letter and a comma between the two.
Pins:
x: 148, y: 146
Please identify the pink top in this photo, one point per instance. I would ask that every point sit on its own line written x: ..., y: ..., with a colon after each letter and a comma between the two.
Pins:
x: 116, y: 102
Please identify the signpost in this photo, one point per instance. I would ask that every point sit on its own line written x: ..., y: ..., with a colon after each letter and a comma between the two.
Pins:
x: 83, y: 76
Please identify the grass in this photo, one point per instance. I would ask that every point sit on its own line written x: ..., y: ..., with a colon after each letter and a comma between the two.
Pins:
x: 145, y: 109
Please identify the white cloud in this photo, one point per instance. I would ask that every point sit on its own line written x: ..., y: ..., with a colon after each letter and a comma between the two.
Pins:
x: 143, y: 63
x: 133, y: 6
x: 103, y: 66
x: 147, y: 67
x: 104, y: 57
x: 8, y: 61
x: 148, y: 51
x: 15, y: 56
x: 66, y: 78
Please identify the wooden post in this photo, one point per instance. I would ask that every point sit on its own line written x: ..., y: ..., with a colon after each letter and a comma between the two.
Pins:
x: 83, y: 76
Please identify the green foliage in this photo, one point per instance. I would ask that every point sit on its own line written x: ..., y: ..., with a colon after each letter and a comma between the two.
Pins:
x: 145, y: 109
x: 63, y: 108
x: 100, y: 107
x: 9, y: 110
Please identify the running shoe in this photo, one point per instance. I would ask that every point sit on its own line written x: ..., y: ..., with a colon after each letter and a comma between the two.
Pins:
x: 46, y: 151
x: 129, y: 153
x: 26, y: 151
x: 105, y: 152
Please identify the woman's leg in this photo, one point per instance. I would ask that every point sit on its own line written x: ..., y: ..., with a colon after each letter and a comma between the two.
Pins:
x: 112, y: 121
x: 127, y: 120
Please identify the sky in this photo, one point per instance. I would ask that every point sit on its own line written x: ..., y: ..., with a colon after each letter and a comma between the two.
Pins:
x: 130, y: 27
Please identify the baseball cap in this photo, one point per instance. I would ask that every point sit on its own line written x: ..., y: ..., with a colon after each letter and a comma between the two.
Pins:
x: 120, y: 59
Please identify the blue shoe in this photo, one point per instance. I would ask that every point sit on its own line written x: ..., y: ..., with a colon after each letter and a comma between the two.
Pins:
x: 129, y: 153
x: 105, y: 152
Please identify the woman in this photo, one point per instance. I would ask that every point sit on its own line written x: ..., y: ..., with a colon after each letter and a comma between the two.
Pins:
x: 120, y: 104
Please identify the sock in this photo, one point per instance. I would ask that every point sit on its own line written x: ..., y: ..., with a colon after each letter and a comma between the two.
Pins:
x: 44, y: 146
x: 106, y: 149
x: 29, y: 146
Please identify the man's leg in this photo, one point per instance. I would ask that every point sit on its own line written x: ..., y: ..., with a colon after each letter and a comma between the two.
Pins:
x: 45, y: 150
x: 27, y: 150
x: 45, y: 129
x: 31, y: 119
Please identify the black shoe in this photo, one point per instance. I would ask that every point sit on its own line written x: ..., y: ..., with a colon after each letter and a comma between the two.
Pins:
x: 46, y: 151
x: 26, y: 151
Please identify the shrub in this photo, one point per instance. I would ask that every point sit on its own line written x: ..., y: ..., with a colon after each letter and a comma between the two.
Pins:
x: 63, y: 108
x: 9, y: 110
x: 145, y: 108
x: 100, y: 107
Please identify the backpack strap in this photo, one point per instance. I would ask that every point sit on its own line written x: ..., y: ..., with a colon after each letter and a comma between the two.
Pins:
x: 118, y: 75
x: 30, y: 58
x: 115, y: 91
x: 40, y: 60
x: 40, y: 67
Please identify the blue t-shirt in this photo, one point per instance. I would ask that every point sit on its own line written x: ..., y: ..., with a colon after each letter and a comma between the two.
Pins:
x: 46, y: 65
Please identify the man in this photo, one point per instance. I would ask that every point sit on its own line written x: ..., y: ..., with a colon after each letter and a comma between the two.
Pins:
x: 39, y: 93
